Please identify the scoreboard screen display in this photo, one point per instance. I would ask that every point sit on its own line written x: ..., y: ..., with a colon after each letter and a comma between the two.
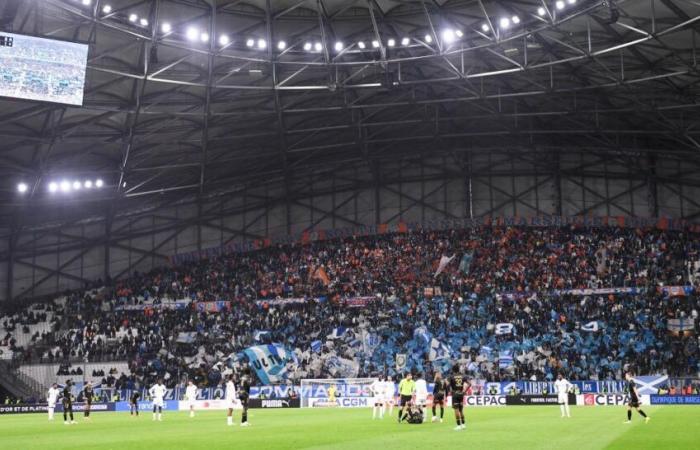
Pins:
x: 42, y: 69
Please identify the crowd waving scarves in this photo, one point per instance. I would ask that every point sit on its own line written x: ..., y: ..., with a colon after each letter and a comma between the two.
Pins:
x: 497, y: 300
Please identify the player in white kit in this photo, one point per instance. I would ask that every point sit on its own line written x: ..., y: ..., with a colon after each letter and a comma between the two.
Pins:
x: 191, y: 396
x: 52, y: 398
x: 421, y: 390
x: 562, y: 387
x: 157, y: 393
x: 230, y: 399
x: 389, y: 391
x: 377, y: 389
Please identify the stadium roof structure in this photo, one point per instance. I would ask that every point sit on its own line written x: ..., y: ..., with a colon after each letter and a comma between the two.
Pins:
x: 192, y: 101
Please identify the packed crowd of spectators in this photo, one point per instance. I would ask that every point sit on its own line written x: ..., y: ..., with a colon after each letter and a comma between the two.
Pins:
x: 513, y: 276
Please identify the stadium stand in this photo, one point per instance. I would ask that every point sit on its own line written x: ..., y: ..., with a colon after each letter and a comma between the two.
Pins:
x: 193, y: 320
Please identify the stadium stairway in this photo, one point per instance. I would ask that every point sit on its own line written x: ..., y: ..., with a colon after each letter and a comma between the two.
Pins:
x: 19, y: 384
x: 42, y: 375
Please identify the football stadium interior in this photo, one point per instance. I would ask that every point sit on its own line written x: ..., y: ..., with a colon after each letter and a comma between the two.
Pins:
x: 330, y: 220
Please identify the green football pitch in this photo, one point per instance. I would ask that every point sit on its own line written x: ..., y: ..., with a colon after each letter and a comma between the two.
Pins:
x: 520, y: 428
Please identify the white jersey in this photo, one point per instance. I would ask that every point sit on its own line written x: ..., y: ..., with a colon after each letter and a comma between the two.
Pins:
x: 562, y: 387
x: 377, y: 388
x: 389, y: 390
x: 230, y: 394
x: 191, y: 393
x: 52, y: 396
x: 421, y: 390
x: 157, y: 393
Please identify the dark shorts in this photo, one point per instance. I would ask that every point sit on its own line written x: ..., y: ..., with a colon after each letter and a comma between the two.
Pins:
x: 634, y: 402
x: 439, y: 398
x: 457, y: 400
x: 406, y: 399
x: 244, y: 400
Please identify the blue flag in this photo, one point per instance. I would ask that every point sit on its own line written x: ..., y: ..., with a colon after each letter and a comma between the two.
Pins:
x: 486, y: 351
x: 466, y: 262
x: 337, y: 333
x: 438, y: 350
x: 316, y: 346
x: 423, y: 334
x: 505, y: 360
x: 269, y: 362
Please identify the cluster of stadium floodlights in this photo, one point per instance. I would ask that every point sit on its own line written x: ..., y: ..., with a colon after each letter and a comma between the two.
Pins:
x: 448, y: 35
x: 65, y: 186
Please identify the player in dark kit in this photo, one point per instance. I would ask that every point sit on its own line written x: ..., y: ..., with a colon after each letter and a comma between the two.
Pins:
x: 439, y: 396
x: 634, y: 399
x: 67, y: 400
x: 88, y: 393
x: 244, y: 396
x: 458, y: 386
x: 134, y: 403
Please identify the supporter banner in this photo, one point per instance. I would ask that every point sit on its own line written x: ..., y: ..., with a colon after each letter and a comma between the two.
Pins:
x: 283, y: 301
x: 274, y: 403
x: 675, y: 291
x: 529, y: 400
x: 358, y: 302
x: 171, y: 405
x: 443, y: 224
x: 22, y: 409
x: 350, y: 302
x: 180, y: 305
x: 212, y: 307
x: 599, y: 291
x: 674, y: 399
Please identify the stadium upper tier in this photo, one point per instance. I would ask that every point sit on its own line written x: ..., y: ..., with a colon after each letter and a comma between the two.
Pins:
x: 519, y: 278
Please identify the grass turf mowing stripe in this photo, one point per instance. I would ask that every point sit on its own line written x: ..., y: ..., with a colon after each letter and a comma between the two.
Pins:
x: 520, y: 428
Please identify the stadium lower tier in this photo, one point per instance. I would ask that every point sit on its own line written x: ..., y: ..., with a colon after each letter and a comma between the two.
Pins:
x: 493, y: 428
